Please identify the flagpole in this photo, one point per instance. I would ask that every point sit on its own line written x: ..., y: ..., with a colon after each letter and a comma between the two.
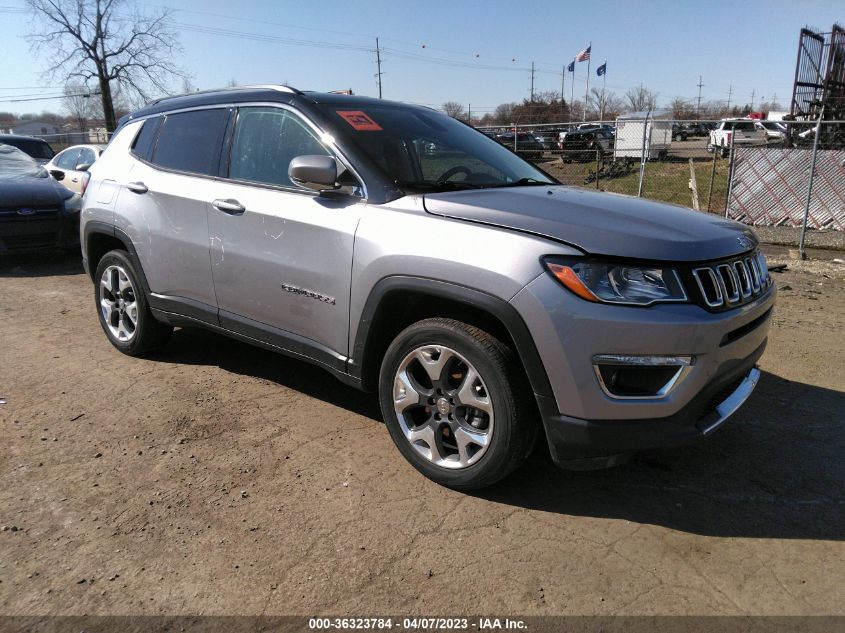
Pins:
x: 562, y: 86
x: 587, y: 89
x: 603, y: 82
x: 572, y: 98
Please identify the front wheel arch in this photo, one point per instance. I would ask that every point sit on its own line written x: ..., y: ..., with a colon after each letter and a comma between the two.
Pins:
x: 398, y: 301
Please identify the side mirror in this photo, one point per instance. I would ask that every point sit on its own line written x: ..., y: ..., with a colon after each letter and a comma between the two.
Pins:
x: 314, y: 172
x: 83, y: 167
x: 57, y: 174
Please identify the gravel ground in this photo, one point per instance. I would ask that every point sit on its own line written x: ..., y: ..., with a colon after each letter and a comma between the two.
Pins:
x: 215, y: 478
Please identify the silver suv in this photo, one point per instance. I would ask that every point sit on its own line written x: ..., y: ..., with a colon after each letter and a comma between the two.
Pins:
x: 408, y: 254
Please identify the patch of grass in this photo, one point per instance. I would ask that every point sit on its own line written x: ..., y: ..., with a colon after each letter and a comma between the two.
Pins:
x: 663, y: 181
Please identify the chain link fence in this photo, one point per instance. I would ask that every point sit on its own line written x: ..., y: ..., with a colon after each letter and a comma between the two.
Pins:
x: 761, y: 172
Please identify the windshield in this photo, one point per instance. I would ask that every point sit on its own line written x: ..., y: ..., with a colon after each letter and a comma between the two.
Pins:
x: 15, y: 164
x: 35, y: 148
x: 420, y: 150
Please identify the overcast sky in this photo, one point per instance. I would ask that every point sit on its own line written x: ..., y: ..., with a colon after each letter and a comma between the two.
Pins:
x: 474, y: 52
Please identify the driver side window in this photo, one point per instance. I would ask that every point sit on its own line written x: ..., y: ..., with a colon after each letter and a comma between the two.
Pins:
x: 266, y: 140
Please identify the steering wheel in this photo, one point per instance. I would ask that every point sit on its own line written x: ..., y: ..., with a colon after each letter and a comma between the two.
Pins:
x: 457, y: 169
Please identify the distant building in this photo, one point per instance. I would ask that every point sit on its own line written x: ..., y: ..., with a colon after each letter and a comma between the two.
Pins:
x: 57, y: 133
x: 38, y: 128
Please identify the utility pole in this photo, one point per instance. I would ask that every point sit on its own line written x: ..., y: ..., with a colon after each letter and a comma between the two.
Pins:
x: 532, y: 82
x: 698, y: 105
x: 378, y: 63
x: 730, y: 92
x: 751, y: 108
x: 469, y: 113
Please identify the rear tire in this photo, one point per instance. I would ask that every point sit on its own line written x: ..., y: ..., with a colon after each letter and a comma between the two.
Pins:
x: 123, y: 309
x: 456, y: 404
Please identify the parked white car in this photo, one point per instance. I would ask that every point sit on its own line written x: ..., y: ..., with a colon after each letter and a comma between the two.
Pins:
x: 775, y: 131
x: 69, y: 166
x: 735, y: 133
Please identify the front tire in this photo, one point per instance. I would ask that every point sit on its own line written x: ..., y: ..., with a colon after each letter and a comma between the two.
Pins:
x: 122, y: 306
x: 455, y: 401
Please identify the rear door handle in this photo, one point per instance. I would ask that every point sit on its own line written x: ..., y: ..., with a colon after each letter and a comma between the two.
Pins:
x: 137, y: 187
x: 232, y: 207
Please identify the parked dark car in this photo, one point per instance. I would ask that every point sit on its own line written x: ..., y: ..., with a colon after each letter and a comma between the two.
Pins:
x: 679, y: 132
x: 38, y: 148
x: 35, y: 210
x: 550, y: 137
x: 584, y: 144
x: 527, y: 145
x: 697, y: 129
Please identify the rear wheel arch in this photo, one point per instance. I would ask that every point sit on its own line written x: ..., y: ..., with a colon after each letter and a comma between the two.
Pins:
x: 397, y: 302
x: 100, y: 238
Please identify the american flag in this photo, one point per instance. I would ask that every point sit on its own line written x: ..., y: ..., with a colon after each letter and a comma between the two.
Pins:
x: 584, y: 55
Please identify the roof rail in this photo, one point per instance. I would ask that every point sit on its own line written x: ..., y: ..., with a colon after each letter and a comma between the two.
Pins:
x: 277, y: 87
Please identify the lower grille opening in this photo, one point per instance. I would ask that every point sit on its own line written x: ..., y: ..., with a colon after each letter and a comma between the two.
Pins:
x: 749, y: 327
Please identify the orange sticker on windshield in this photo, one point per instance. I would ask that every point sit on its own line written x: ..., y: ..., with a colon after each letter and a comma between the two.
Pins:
x: 359, y: 120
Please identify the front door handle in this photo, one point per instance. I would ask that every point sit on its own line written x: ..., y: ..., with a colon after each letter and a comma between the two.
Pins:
x: 232, y: 207
x: 137, y: 187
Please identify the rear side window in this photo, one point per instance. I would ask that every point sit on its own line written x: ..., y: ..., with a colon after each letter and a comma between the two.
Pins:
x: 86, y: 157
x: 143, y: 145
x: 67, y: 159
x: 191, y: 141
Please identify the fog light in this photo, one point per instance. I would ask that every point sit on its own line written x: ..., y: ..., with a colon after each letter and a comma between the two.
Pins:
x: 635, y: 377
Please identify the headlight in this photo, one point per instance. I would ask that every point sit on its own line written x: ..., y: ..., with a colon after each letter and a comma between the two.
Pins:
x: 619, y: 283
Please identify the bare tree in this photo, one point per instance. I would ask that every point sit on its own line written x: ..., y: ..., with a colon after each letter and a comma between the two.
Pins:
x: 100, y: 44
x: 503, y: 114
x: 80, y: 105
x: 607, y: 103
x: 454, y: 109
x: 684, y: 109
x: 641, y: 99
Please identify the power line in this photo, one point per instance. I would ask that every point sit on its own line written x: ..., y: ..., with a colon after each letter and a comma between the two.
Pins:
x: 62, y: 96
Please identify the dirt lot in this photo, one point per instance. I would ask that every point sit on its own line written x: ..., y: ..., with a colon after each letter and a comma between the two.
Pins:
x: 215, y: 478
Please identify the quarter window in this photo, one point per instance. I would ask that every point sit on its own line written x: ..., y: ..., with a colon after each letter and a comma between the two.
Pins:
x: 191, y: 141
x: 265, y: 142
x: 143, y: 145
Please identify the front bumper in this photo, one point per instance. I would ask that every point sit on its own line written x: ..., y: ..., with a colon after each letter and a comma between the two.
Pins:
x: 582, y: 444
x: 583, y: 422
x: 45, y: 230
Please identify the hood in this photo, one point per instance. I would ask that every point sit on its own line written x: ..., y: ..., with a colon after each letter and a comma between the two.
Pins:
x: 32, y: 192
x: 600, y: 223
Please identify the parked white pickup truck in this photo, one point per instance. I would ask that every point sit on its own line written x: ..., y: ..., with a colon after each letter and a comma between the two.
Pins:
x: 736, y: 132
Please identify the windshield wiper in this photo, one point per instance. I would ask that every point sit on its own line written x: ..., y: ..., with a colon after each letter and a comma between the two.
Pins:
x: 433, y: 187
x: 524, y: 182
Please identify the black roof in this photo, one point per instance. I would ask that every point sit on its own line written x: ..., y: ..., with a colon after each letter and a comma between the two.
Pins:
x: 20, y: 137
x: 242, y: 94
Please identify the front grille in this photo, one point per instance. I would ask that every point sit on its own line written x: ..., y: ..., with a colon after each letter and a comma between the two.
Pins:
x: 28, y: 211
x: 731, y: 283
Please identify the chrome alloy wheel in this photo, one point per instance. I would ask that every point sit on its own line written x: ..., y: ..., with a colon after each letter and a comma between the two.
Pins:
x: 443, y: 406
x: 117, y: 303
